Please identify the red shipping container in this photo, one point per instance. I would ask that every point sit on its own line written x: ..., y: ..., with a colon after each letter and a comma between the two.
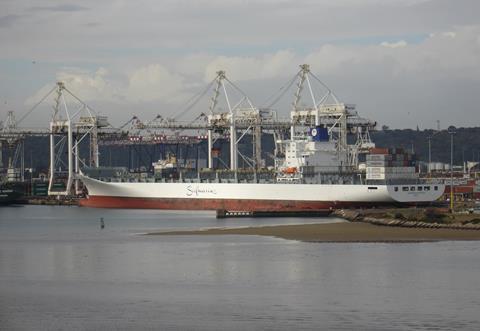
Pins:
x: 378, y: 150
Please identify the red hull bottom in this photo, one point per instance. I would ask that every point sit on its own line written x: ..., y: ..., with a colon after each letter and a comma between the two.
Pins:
x: 219, y: 204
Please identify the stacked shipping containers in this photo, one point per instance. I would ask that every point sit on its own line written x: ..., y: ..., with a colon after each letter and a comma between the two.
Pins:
x: 393, y: 163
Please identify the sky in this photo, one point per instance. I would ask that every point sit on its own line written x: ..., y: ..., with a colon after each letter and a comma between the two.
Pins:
x: 404, y: 63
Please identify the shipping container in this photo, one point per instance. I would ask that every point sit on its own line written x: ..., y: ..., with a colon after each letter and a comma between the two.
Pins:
x: 377, y: 164
x: 378, y: 157
x: 378, y: 150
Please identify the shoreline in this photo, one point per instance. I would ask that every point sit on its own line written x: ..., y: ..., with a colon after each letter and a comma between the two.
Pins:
x: 344, y: 232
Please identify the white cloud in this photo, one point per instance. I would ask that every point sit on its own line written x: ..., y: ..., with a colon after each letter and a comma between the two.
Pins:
x: 85, y: 84
x: 90, y: 85
x: 252, y: 68
x: 154, y: 82
x: 398, y: 44
x: 145, y: 84
x: 328, y: 58
x: 449, y: 34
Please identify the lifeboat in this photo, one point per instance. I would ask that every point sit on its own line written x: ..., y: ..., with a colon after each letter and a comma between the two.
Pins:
x: 290, y: 170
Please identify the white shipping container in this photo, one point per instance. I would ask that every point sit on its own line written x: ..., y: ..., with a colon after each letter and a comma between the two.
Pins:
x: 386, y: 170
x: 377, y: 163
x: 375, y: 176
x: 376, y: 170
x: 378, y: 157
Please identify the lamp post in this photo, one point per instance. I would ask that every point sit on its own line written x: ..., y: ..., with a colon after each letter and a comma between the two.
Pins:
x: 451, y: 131
x: 430, y: 151
x: 429, y: 155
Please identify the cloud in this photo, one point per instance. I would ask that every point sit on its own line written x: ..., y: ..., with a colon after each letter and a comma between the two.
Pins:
x: 235, y: 27
x: 154, y: 82
x: 398, y: 44
x: 8, y: 20
x: 144, y: 85
x: 449, y: 34
x: 92, y: 24
x: 88, y: 86
x: 59, y: 8
x: 248, y: 68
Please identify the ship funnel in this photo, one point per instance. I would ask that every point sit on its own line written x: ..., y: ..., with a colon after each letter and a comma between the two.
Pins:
x: 319, y: 133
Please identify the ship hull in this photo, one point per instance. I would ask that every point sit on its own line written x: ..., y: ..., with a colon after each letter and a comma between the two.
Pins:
x: 10, y: 194
x: 223, y: 204
x: 244, y: 197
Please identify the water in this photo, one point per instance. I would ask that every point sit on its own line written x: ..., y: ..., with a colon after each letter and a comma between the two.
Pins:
x: 59, y: 270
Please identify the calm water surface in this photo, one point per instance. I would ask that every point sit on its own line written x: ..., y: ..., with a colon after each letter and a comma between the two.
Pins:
x: 60, y: 271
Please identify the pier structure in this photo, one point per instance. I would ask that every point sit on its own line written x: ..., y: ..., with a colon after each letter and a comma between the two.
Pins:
x: 66, y: 130
x: 13, y: 137
x: 82, y: 121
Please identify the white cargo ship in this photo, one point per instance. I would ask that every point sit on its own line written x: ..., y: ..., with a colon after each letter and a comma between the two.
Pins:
x: 308, y: 177
x: 315, y: 169
x: 279, y: 197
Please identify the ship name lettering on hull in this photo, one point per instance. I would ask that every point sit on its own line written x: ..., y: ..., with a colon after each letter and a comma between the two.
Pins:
x: 197, y: 191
